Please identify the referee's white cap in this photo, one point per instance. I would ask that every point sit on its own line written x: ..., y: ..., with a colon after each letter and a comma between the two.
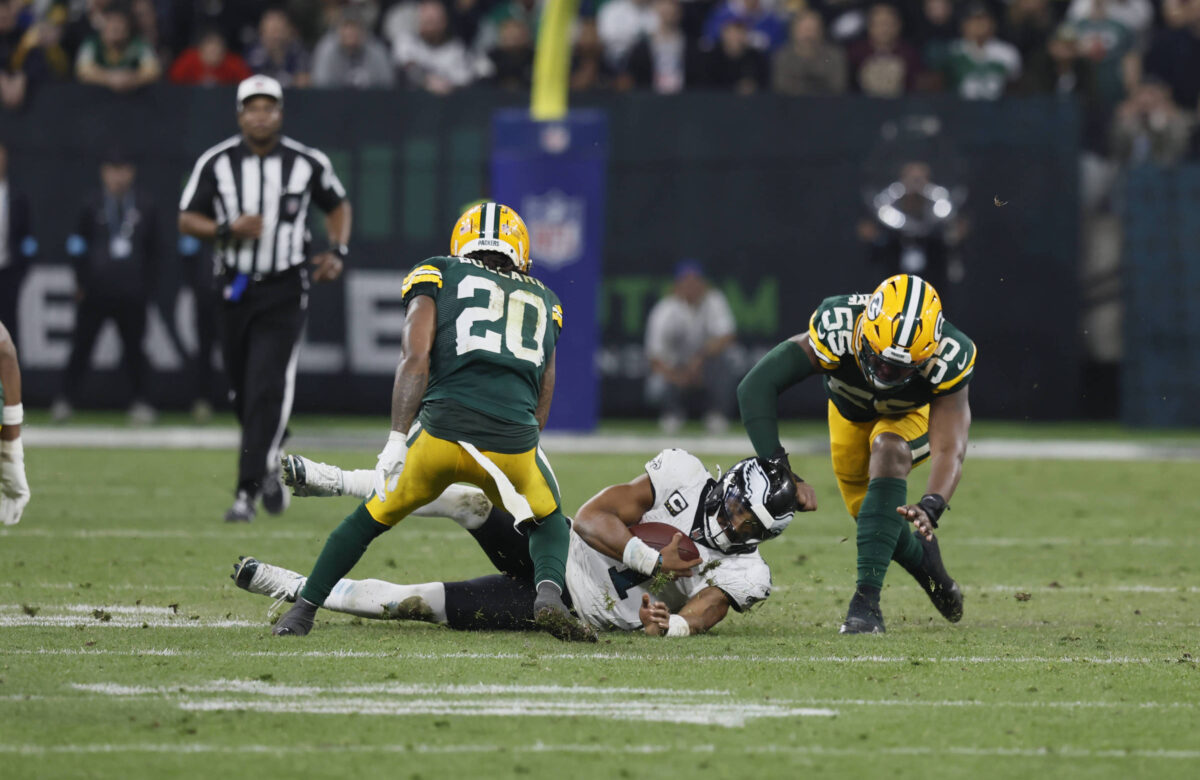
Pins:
x: 259, y: 85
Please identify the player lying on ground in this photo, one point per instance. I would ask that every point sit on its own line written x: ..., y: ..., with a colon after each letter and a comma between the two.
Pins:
x: 896, y: 374
x: 613, y: 578
x: 14, y: 488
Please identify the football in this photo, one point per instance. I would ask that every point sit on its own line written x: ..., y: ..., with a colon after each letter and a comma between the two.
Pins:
x: 659, y: 535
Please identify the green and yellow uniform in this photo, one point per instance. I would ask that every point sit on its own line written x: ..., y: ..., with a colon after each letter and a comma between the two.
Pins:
x: 859, y: 411
x: 496, y: 332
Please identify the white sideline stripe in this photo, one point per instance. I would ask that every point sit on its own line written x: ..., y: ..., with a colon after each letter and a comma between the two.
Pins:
x: 969, y: 588
x: 89, y: 608
x: 193, y: 438
x: 666, y: 658
x: 1064, y: 751
x: 44, y: 621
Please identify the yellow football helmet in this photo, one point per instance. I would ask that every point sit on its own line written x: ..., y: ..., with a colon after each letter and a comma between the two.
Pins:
x: 899, y: 331
x: 492, y: 227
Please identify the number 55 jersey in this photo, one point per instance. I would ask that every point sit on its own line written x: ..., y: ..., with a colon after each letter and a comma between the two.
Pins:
x: 496, y: 332
x: 607, y: 594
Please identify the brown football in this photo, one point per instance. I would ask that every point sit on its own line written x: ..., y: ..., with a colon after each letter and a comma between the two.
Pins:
x: 659, y: 535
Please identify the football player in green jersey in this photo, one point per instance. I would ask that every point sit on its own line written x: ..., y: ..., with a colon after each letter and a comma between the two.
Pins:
x: 896, y: 375
x: 471, y: 395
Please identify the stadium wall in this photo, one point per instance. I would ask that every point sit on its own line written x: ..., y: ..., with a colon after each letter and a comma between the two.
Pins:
x: 764, y: 190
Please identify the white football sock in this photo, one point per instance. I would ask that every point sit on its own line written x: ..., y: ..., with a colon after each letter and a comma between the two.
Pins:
x: 383, y: 600
x: 464, y: 504
x: 359, y: 483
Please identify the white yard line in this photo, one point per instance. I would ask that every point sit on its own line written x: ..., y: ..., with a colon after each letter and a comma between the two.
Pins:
x: 676, y: 658
x: 115, y: 621
x: 1052, y: 752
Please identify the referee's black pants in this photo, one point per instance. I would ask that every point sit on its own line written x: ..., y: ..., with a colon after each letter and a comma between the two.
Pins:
x: 260, y: 342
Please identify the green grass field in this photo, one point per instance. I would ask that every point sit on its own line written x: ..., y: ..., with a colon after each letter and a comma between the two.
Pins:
x: 126, y: 651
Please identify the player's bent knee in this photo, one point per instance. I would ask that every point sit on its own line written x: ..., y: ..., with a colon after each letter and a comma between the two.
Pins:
x: 890, y: 457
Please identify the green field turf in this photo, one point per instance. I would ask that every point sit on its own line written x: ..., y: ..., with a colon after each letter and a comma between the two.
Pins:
x: 126, y: 651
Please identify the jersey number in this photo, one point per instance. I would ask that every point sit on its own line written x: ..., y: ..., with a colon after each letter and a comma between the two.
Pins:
x: 947, y: 351
x: 837, y: 323
x: 519, y: 302
x: 625, y: 580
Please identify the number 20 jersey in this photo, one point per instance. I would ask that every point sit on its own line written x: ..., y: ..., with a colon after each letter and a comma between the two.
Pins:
x: 607, y: 594
x: 496, y: 331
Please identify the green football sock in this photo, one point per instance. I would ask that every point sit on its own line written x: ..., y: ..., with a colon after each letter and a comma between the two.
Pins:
x: 548, y: 541
x: 909, y: 551
x: 879, y: 528
x: 342, y: 550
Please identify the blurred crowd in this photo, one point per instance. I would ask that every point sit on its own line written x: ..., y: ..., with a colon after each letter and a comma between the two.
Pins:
x: 1134, y: 65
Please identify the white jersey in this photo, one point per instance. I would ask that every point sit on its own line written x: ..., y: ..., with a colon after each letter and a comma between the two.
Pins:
x: 607, y: 594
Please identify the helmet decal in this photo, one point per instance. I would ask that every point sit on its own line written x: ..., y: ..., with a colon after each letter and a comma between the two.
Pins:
x: 875, y: 307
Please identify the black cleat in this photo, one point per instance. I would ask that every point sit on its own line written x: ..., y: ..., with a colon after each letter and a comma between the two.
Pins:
x: 863, y: 617
x: 942, y: 590
x: 242, y: 510
x: 275, y: 499
x: 298, y: 620
x: 551, y: 615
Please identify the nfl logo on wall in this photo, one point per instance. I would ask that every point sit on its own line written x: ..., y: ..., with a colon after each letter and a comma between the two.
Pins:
x: 555, y: 222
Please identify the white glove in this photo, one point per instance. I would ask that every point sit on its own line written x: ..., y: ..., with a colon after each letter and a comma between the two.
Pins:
x: 14, y: 488
x: 390, y: 464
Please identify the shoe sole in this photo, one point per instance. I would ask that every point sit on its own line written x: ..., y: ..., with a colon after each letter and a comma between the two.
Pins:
x: 860, y: 626
x: 563, y: 627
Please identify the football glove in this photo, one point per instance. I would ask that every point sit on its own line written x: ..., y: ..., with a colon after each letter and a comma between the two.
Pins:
x: 14, y: 488
x: 933, y: 505
x: 390, y: 464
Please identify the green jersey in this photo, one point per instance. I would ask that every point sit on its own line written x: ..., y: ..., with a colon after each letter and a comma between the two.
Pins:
x: 831, y: 332
x: 496, y: 331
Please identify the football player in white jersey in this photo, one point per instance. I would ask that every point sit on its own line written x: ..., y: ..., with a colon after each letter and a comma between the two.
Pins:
x: 613, y: 578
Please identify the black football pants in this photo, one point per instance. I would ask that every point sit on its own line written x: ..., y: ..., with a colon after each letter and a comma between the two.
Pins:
x: 260, y: 342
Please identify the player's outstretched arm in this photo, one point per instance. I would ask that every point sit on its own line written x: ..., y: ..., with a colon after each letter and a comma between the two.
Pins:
x: 702, y: 612
x: 14, y: 488
x: 758, y: 393
x: 412, y: 377
x: 949, y: 423
x: 603, y: 522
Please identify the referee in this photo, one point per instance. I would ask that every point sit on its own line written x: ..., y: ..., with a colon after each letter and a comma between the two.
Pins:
x: 250, y: 194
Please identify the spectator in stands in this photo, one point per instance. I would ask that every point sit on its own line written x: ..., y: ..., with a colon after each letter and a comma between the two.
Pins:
x: 734, y: 65
x: 688, y: 338
x: 621, y: 24
x: 765, y: 29
x: 492, y: 14
x: 589, y: 67
x: 18, y: 247
x: 809, y: 65
x: 41, y: 56
x: 1106, y: 48
x: 512, y: 56
x: 882, y: 64
x: 934, y: 29
x: 1136, y: 16
x: 149, y: 28
x: 116, y: 58
x: 82, y: 24
x: 1149, y: 128
x: 1029, y: 25
x: 434, y: 60
x: 1174, y: 57
x: 209, y: 62
x: 278, y: 52
x: 664, y: 60
x: 115, y: 252
x: 349, y: 56
x: 12, y: 79
x: 980, y: 66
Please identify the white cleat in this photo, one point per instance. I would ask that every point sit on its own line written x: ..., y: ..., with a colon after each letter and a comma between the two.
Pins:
x: 309, y: 478
x: 266, y: 580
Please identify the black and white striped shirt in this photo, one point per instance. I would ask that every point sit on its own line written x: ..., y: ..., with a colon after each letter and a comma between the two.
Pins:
x: 230, y: 180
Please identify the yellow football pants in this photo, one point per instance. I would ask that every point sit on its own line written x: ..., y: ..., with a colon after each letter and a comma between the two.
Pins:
x: 434, y: 464
x: 850, y: 448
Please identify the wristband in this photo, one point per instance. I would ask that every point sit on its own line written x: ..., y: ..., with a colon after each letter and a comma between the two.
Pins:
x: 341, y: 250
x: 934, y: 505
x: 399, y: 436
x: 641, y: 557
x: 13, y: 415
x: 224, y: 231
x: 678, y: 626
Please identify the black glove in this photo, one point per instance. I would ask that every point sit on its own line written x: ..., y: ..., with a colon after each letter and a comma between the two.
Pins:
x: 933, y: 505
